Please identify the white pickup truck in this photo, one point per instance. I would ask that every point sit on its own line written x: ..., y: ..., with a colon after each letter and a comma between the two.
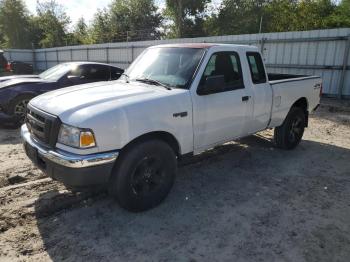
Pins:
x: 173, y: 100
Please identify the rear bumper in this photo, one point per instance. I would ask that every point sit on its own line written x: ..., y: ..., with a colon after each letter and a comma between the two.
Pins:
x: 70, y: 169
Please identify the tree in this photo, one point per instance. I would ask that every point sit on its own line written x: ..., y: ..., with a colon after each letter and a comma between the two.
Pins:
x: 187, y: 17
x: 80, y: 34
x: 281, y: 16
x: 100, y: 30
x: 245, y: 16
x: 313, y: 14
x: 239, y: 17
x: 126, y: 20
x: 135, y: 20
x: 340, y: 16
x: 14, y: 24
x: 299, y: 15
x: 52, y: 22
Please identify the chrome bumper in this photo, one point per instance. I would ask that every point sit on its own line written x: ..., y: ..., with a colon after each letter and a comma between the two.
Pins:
x: 67, y: 159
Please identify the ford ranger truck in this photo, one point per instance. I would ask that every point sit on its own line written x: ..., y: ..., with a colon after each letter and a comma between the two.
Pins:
x: 173, y: 100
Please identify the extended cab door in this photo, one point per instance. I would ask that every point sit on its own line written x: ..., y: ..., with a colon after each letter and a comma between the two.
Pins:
x: 220, y: 113
x: 262, y: 93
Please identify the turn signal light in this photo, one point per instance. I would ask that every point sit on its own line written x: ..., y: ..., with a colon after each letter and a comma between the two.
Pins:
x: 87, y: 139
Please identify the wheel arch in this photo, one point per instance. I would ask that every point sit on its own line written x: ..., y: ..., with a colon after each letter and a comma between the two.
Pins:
x: 18, y: 97
x: 304, y: 105
x: 160, y: 135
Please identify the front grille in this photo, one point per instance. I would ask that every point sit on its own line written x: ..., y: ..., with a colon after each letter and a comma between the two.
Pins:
x: 42, y: 126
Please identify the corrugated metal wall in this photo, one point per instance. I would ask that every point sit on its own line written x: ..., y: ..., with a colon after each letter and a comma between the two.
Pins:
x: 23, y: 55
x: 320, y: 52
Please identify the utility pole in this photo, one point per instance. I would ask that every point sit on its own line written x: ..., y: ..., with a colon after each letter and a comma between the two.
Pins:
x: 260, y: 27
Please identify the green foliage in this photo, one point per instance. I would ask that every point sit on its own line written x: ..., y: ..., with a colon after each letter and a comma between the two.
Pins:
x: 300, y: 15
x: 341, y: 15
x: 241, y: 17
x: 238, y: 17
x: 132, y: 20
x: 100, y: 30
x: 80, y: 34
x: 188, y: 17
x: 140, y: 18
x: 51, y: 23
x: 14, y: 24
x: 126, y: 20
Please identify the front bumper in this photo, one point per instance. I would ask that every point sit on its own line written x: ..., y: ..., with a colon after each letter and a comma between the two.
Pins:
x: 70, y: 169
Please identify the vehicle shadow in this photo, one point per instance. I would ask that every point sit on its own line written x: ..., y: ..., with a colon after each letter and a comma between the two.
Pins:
x: 9, y: 135
x: 245, y: 201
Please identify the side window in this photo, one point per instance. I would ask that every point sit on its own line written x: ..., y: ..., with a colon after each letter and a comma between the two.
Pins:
x: 256, y: 68
x: 77, y: 71
x: 116, y: 73
x: 228, y: 65
x: 96, y: 72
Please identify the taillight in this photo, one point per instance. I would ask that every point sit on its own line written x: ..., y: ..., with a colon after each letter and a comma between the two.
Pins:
x: 321, y: 90
x: 8, y: 67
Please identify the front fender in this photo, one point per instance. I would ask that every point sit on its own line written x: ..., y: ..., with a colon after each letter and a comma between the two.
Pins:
x: 7, y: 95
x: 115, y: 127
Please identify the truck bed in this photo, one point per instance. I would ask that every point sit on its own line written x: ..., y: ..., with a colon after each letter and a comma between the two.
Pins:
x: 289, y: 88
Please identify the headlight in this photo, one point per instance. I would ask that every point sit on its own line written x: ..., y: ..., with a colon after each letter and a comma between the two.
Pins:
x: 76, y: 137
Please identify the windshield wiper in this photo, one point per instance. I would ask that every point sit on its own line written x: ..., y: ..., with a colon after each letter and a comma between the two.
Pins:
x: 153, y: 82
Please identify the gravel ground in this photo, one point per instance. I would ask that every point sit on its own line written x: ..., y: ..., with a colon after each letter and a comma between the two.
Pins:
x: 244, y: 201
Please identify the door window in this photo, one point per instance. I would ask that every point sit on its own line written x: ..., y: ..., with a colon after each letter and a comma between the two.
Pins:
x: 226, y: 64
x: 96, y: 73
x: 256, y: 68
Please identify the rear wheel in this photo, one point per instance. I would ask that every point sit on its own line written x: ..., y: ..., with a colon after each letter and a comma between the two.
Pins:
x: 289, y: 135
x: 144, y: 175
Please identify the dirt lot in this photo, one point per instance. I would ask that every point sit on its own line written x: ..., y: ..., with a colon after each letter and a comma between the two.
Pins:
x: 244, y: 201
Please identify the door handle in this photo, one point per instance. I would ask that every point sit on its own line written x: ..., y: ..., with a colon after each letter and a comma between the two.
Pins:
x: 245, y: 98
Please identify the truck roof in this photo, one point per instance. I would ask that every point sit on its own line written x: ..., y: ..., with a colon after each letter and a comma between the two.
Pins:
x: 207, y: 45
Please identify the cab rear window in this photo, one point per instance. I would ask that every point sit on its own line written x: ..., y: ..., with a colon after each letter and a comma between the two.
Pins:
x: 256, y: 67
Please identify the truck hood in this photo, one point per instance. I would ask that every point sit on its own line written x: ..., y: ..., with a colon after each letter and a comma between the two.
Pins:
x: 6, y: 78
x: 19, y: 81
x: 89, y: 98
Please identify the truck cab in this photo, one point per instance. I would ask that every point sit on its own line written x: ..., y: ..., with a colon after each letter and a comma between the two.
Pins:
x: 174, y: 100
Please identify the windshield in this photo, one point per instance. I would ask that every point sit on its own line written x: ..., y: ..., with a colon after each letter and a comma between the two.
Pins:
x: 170, y: 66
x: 56, y: 72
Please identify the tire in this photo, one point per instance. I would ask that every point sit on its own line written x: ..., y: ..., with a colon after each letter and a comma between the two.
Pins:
x: 289, y: 134
x: 143, y: 175
x: 18, y: 108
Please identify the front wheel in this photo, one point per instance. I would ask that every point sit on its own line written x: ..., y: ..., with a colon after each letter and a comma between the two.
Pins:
x: 18, y: 108
x: 144, y: 175
x: 288, y: 135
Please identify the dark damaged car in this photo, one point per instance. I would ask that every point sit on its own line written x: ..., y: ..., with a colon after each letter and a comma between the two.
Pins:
x: 16, y: 93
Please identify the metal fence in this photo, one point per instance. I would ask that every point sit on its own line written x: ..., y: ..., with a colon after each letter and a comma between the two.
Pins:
x: 319, y: 52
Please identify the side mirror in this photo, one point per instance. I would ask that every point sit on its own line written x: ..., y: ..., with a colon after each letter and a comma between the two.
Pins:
x: 213, y: 84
